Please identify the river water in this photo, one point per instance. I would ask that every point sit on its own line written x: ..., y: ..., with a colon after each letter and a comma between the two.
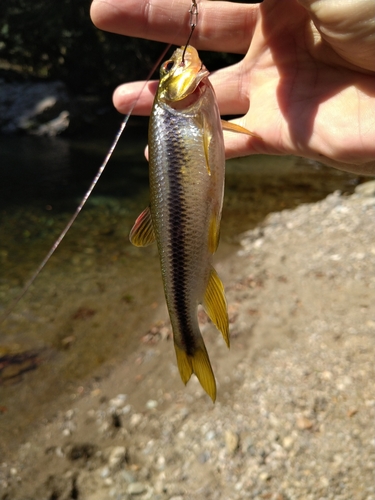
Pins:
x: 98, y: 295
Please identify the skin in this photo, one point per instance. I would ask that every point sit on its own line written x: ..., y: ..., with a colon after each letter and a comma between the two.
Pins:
x: 306, y: 84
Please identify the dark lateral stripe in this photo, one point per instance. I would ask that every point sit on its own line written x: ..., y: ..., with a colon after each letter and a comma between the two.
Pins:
x: 177, y: 237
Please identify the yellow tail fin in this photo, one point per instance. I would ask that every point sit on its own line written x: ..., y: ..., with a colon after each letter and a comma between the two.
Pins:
x: 184, y: 364
x: 199, y: 364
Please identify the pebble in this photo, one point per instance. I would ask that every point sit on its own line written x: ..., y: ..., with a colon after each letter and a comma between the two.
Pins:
x: 231, y: 442
x: 151, y: 404
x: 160, y: 463
x: 264, y: 476
x: 210, y: 435
x: 135, y: 419
x: 366, y: 189
x: 117, y: 457
x: 126, y: 409
x: 288, y: 442
x: 127, y: 476
x: 304, y: 423
x: 118, y: 401
x: 104, y: 472
x: 136, y: 489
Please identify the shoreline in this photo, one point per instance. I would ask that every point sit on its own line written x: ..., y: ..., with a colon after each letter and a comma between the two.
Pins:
x: 92, y: 302
x: 295, y: 410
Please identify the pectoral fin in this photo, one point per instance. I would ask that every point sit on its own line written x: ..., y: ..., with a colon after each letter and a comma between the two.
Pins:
x: 142, y: 233
x: 233, y: 127
x: 206, y: 144
x: 199, y: 364
x: 215, y: 304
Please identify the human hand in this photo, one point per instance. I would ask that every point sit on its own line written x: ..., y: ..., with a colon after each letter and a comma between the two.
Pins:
x: 306, y: 84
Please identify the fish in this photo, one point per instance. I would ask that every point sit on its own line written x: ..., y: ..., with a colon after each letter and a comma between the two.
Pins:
x: 186, y: 170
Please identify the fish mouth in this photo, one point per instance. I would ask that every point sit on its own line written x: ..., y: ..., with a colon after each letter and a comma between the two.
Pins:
x: 191, y: 98
x: 181, y: 78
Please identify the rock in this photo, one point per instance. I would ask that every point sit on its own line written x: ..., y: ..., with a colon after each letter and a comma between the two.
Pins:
x: 210, y: 435
x: 105, y: 472
x: 55, y: 126
x: 304, y: 423
x: 366, y: 189
x: 151, y: 404
x: 127, y: 476
x: 160, y: 463
x: 118, y: 401
x: 136, y: 489
x: 117, y: 457
x: 135, y: 419
x: 264, y: 476
x: 288, y: 442
x: 39, y: 108
x: 232, y: 441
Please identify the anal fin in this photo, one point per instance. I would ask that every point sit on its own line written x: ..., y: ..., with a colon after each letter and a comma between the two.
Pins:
x: 215, y: 304
x: 142, y: 233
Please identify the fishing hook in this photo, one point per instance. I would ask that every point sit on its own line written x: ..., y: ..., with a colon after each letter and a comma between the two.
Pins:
x: 193, y: 23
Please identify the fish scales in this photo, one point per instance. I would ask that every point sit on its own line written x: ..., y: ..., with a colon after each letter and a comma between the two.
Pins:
x: 187, y: 164
x: 181, y: 194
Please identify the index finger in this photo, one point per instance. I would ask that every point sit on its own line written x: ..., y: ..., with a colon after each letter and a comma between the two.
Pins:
x: 222, y: 26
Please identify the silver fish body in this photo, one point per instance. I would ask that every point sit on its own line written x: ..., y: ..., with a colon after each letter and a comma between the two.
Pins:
x: 187, y: 167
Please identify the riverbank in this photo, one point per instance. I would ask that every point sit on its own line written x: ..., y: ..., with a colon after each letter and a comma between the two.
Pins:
x: 295, y: 411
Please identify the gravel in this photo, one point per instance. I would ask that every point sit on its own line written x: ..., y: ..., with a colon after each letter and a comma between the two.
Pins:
x: 295, y: 412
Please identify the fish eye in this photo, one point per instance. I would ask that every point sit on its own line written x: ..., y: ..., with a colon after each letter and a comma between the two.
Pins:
x: 168, y: 66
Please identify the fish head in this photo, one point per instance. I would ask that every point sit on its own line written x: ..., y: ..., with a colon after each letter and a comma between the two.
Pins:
x: 180, y: 77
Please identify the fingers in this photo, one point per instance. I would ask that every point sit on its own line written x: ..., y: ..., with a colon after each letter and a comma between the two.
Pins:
x: 135, y: 97
x: 230, y: 89
x: 222, y: 26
